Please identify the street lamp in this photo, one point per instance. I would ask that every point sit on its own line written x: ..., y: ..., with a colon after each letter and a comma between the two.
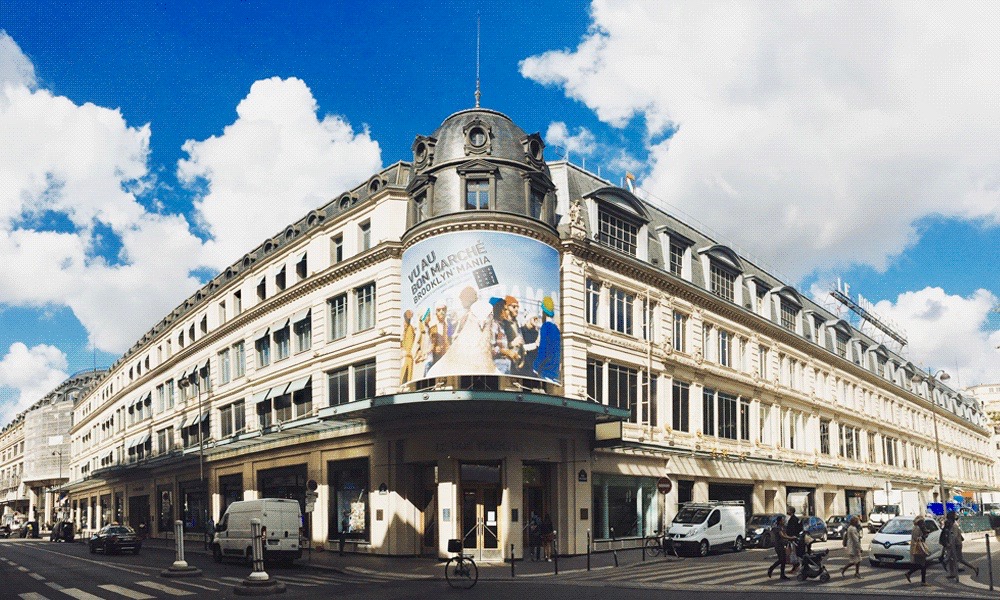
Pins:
x: 941, y: 375
x: 59, y: 489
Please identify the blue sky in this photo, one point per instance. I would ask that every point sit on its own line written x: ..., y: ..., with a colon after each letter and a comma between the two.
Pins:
x: 825, y: 142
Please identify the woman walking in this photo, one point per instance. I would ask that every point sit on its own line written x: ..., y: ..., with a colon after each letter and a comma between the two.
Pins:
x: 852, y: 541
x: 780, y: 546
x: 918, y: 550
x: 953, y: 546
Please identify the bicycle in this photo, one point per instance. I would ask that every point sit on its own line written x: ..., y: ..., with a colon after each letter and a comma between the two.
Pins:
x: 659, y: 543
x: 460, y: 571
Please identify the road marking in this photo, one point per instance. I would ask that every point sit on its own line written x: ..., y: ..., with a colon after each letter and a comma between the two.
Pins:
x: 54, y: 585
x: 32, y: 596
x: 23, y: 569
x: 37, y: 576
x: 80, y: 594
x: 164, y: 588
x: 201, y: 587
x: 126, y: 592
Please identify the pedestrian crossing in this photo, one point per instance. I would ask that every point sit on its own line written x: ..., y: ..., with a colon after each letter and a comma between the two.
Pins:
x: 749, y: 575
x: 203, y: 586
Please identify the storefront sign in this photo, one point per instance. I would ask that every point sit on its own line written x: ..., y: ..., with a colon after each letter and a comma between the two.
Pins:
x: 480, y: 303
x: 582, y: 476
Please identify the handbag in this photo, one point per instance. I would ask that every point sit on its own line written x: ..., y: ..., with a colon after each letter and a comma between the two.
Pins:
x: 918, y: 549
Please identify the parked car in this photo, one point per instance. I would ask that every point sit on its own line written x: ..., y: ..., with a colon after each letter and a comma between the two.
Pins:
x: 758, y: 534
x: 62, y: 532
x: 815, y: 527
x: 112, y: 539
x: 13, y: 530
x: 891, y: 545
x: 836, y: 526
x: 281, y: 519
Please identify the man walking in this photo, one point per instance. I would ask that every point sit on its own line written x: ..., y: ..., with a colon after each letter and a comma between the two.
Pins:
x: 792, y: 530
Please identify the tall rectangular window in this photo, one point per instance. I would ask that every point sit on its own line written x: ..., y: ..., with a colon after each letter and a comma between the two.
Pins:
x: 477, y: 194
x: 237, y: 302
x: 676, y: 258
x: 595, y: 380
x: 535, y: 203
x: 727, y: 416
x: 648, y: 328
x: 593, y: 301
x: 824, y: 436
x: 365, y: 234
x: 762, y: 360
x: 262, y: 290
x: 340, y: 386
x: 226, y: 420
x: 280, y: 280
x: 161, y: 399
x: 170, y: 393
x: 302, y: 268
x: 239, y: 359
x: 723, y: 282
x: 725, y: 348
x: 681, y: 405
x: 680, y: 331
x: 303, y: 334
x: 708, y: 411
x: 337, y: 248
x: 623, y: 388
x: 225, y: 366
x: 365, y: 296
x: 621, y: 311
x: 364, y: 381
x: 744, y: 419
x: 841, y: 342
x: 263, y: 348
x: 282, y: 343
x: 616, y: 232
x: 338, y: 316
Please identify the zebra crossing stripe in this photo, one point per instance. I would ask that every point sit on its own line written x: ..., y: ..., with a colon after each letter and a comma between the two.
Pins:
x: 54, y: 585
x: 126, y: 592
x: 32, y: 596
x: 164, y: 588
x: 80, y: 594
x: 36, y: 576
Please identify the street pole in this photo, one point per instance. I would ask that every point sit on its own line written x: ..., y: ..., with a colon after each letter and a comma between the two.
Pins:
x: 929, y: 379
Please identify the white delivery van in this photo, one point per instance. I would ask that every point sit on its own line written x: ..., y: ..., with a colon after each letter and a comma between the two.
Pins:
x: 281, y: 519
x: 703, y: 526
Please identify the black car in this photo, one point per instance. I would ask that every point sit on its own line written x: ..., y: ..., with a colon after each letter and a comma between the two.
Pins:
x: 758, y: 534
x: 815, y: 527
x: 115, y: 538
x: 62, y: 532
x: 836, y: 526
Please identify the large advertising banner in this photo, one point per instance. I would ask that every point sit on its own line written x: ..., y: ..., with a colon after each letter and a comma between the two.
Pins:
x: 480, y: 303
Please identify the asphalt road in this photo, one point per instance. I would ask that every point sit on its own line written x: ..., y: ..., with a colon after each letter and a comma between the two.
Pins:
x: 38, y: 570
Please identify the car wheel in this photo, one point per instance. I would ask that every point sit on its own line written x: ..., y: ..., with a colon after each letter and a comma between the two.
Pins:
x: 765, y: 540
x: 217, y: 553
x: 825, y: 538
x: 704, y: 548
x: 738, y: 544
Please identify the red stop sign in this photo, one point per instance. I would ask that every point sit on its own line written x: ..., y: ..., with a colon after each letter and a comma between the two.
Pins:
x: 664, y: 485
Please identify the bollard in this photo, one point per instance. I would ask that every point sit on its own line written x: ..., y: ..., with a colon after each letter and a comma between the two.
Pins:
x: 180, y: 568
x: 512, y: 561
x: 614, y: 550
x: 555, y: 552
x: 643, y: 550
x: 588, y: 549
x: 258, y: 583
x: 989, y: 560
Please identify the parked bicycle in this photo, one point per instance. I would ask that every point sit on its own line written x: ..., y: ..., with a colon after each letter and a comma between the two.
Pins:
x: 460, y: 571
x: 659, y: 544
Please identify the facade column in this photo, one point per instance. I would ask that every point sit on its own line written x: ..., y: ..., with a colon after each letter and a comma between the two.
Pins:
x: 512, y: 499
x: 447, y: 492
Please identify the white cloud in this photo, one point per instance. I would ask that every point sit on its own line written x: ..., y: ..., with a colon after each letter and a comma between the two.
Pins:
x: 71, y: 175
x: 581, y: 144
x: 30, y: 373
x: 273, y: 165
x: 949, y: 332
x: 815, y: 133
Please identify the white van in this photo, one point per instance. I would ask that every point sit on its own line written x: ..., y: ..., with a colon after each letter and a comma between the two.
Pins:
x: 703, y: 526
x: 281, y: 518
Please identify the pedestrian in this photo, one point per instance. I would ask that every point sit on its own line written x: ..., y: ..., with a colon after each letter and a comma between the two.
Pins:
x: 793, y: 527
x: 918, y: 550
x: 548, y: 536
x: 535, y: 536
x: 852, y: 541
x: 780, y: 546
x: 345, y: 526
x: 953, y: 538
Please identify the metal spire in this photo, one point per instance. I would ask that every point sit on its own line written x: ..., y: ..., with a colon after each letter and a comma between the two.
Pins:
x: 477, y: 61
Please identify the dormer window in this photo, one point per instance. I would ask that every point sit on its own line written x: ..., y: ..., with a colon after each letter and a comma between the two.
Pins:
x: 616, y: 231
x: 477, y: 137
x: 841, y: 344
x: 722, y: 282
x: 676, y: 259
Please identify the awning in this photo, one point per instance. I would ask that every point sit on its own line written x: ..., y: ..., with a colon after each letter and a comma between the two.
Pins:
x: 298, y: 384
x: 280, y: 390
x: 261, y: 396
x: 280, y: 324
x: 205, y: 366
x: 143, y: 439
x: 190, y: 421
x: 260, y: 333
x: 300, y: 256
x: 300, y: 315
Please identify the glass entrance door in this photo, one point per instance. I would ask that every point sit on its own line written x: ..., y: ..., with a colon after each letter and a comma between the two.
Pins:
x: 480, y: 511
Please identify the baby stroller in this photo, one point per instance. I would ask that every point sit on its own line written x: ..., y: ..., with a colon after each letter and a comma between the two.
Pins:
x: 811, y: 566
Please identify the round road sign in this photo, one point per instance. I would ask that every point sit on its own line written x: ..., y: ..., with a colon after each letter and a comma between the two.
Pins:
x: 664, y: 485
